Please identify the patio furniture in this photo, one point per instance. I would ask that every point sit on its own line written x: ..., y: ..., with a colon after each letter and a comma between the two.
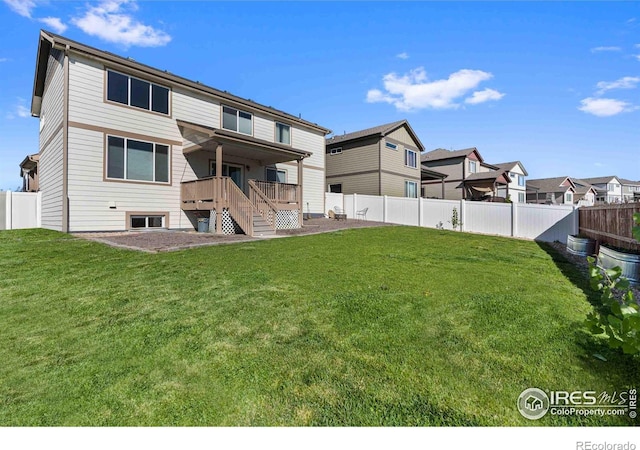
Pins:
x: 339, y: 213
x: 362, y: 214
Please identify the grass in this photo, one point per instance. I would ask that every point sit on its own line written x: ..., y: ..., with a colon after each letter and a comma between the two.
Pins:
x: 382, y: 326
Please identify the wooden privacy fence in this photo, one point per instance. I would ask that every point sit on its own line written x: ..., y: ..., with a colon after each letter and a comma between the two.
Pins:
x: 610, y: 224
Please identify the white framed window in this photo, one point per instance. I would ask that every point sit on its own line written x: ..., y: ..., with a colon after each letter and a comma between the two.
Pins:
x: 133, y: 160
x: 235, y: 120
x: 283, y: 133
x: 335, y: 151
x: 143, y: 221
x: 472, y: 167
x: 568, y: 197
x: 410, y: 158
x: 391, y: 145
x: 520, y: 180
x: 336, y: 188
x: 276, y: 175
x: 521, y: 198
x: 411, y: 189
x: 138, y: 93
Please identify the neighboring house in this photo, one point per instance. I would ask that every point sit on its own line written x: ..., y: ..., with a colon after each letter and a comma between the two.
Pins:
x: 585, y: 193
x: 609, y: 188
x: 124, y: 145
x: 468, y: 176
x: 551, y: 191
x: 518, y: 185
x: 29, y: 173
x: 630, y: 190
x: 383, y: 160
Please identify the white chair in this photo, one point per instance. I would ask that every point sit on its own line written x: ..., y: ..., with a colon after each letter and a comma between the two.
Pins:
x: 340, y: 214
x: 362, y: 214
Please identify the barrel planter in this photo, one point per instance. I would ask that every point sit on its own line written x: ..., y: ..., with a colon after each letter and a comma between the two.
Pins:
x: 629, y: 263
x: 581, y: 246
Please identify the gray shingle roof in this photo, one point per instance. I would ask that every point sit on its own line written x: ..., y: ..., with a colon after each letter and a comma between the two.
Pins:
x: 509, y: 166
x: 380, y: 130
x: 600, y: 180
x: 441, y: 153
x: 631, y: 182
x: 548, y: 184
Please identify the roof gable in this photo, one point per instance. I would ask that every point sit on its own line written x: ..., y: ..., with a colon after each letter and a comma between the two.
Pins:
x: 380, y: 130
x: 441, y: 153
x: 511, y: 165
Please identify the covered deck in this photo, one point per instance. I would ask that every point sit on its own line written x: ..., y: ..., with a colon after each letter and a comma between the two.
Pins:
x: 483, y: 186
x: 226, y: 186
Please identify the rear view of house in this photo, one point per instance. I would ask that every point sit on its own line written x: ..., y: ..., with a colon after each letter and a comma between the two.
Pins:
x: 124, y: 145
x: 383, y: 160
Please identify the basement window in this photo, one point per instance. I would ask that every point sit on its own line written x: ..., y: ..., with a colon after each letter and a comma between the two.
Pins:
x: 146, y: 222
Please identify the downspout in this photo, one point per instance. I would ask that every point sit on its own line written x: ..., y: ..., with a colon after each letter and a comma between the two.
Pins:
x: 65, y: 145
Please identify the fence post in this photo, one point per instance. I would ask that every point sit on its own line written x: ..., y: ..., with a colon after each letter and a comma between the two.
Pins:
x: 384, y: 209
x: 39, y: 210
x: 355, y: 205
x: 576, y: 221
x: 514, y: 219
x: 9, y: 211
x: 420, y: 206
x: 461, y: 217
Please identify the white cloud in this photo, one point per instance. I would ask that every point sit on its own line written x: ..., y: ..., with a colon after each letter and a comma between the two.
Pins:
x: 4, y: 60
x: 621, y: 83
x: 19, y: 110
x: 484, y: 96
x: 54, y: 23
x: 22, y: 7
x: 403, y: 55
x: 605, y: 107
x: 605, y: 49
x: 414, y: 91
x: 111, y: 21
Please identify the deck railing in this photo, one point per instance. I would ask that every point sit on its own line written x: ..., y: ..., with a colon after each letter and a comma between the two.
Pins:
x: 279, y: 192
x: 267, y: 209
x: 239, y: 206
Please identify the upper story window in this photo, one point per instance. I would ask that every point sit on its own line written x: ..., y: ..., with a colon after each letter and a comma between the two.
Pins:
x: 520, y: 180
x: 283, y: 133
x: 613, y: 186
x: 410, y: 158
x: 335, y: 151
x: 568, y: 197
x: 236, y: 120
x: 129, y: 159
x: 391, y: 145
x: 472, y: 167
x: 138, y: 93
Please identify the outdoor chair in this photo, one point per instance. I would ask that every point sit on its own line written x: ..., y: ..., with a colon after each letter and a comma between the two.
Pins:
x: 339, y: 213
x: 362, y: 214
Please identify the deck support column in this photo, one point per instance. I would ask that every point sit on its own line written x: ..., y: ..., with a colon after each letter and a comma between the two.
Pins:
x: 300, y: 199
x: 218, y: 199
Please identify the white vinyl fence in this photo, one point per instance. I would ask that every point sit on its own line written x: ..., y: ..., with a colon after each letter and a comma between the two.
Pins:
x: 20, y: 210
x: 540, y: 222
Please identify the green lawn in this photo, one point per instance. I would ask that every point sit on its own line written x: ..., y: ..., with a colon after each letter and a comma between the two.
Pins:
x: 380, y: 326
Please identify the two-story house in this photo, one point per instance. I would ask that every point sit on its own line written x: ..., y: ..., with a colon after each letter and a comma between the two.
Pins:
x: 468, y: 176
x: 630, y: 190
x: 127, y: 146
x: 609, y: 188
x: 518, y: 186
x: 383, y: 160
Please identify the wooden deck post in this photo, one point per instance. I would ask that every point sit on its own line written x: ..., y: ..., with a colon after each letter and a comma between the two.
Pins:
x: 218, y: 180
x: 300, y: 199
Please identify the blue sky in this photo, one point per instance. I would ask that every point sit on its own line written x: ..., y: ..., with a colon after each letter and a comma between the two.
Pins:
x: 554, y: 85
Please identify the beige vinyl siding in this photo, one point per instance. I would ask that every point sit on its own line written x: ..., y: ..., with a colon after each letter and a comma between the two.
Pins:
x: 402, y: 136
x: 90, y: 196
x: 311, y: 142
x: 366, y: 184
x: 87, y: 105
x: 195, y: 108
x: 393, y: 185
x: 359, y: 156
x: 393, y: 160
x: 50, y: 166
x: 263, y: 128
x: 451, y: 167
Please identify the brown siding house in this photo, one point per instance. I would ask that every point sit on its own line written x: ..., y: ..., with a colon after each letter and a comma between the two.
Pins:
x: 383, y: 160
